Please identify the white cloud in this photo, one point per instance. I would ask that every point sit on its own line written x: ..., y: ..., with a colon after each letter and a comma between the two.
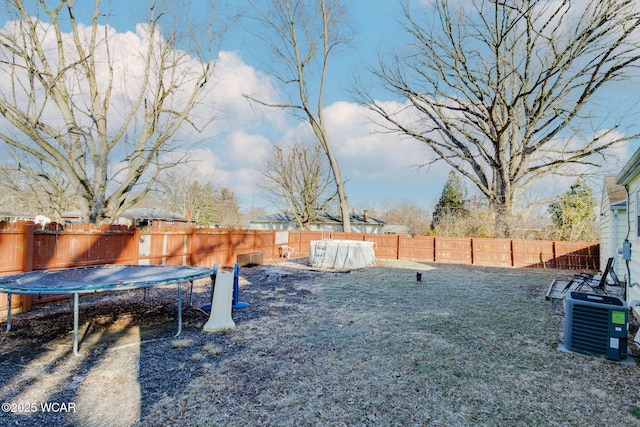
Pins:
x: 229, y: 162
x: 233, y: 79
x: 206, y: 163
x: 366, y: 151
x: 246, y: 148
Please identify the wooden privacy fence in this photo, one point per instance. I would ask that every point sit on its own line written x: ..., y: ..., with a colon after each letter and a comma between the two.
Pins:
x: 26, y: 247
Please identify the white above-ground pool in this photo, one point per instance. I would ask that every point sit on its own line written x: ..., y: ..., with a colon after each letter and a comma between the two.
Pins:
x: 341, y: 254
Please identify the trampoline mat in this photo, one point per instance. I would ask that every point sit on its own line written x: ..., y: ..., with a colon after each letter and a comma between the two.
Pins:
x: 99, y: 278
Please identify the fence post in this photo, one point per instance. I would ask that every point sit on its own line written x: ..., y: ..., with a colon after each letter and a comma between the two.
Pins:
x: 512, y: 252
x: 274, y: 248
x: 190, y: 226
x: 136, y: 245
x: 27, y: 261
x: 435, y: 248
x: 472, y: 242
x: 27, y: 247
x: 231, y: 252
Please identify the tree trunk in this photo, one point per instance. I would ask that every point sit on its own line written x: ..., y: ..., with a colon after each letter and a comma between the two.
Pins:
x: 504, y: 220
x: 321, y: 134
x: 344, y: 206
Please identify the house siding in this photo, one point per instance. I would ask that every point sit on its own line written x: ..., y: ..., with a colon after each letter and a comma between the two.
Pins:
x: 620, y: 233
x: 612, y: 234
x: 613, y: 225
x: 606, y: 221
x: 633, y: 187
x: 630, y: 178
x: 628, y: 222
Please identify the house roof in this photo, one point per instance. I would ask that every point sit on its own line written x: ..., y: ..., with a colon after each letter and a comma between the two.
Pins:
x: 630, y: 171
x: 14, y: 215
x: 153, y: 213
x: 616, y: 193
x: 323, y: 218
x: 140, y: 213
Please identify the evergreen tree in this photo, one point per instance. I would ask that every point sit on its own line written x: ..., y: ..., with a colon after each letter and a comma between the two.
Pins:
x: 452, y: 204
x: 573, y: 213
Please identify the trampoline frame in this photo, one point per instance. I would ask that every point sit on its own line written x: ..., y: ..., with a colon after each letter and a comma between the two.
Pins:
x: 11, y: 285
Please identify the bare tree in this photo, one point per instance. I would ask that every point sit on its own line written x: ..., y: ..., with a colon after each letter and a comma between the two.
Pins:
x: 189, y: 194
x: 72, y: 102
x: 228, y: 210
x: 508, y: 92
x: 416, y: 218
x: 297, y: 177
x: 35, y: 194
x: 303, y: 35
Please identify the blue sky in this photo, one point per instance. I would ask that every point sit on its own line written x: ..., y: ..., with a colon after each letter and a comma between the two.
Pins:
x: 379, y: 169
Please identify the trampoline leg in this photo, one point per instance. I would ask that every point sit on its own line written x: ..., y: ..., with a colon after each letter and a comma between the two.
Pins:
x: 8, y: 312
x: 179, y: 309
x: 75, y: 324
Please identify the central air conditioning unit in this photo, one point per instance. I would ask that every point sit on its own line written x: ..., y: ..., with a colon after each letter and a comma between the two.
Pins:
x: 596, y: 324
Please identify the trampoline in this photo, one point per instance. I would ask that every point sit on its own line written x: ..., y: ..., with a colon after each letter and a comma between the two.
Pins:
x: 104, y: 278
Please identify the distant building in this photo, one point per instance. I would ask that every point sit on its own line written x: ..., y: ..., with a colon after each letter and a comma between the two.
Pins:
x: 16, y: 216
x: 325, y: 222
x: 139, y: 216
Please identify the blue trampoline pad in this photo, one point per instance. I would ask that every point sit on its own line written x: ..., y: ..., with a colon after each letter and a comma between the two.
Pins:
x: 99, y: 278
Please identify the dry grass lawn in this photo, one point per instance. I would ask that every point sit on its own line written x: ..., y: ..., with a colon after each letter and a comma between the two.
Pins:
x: 466, y: 346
